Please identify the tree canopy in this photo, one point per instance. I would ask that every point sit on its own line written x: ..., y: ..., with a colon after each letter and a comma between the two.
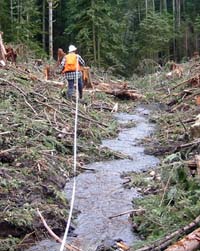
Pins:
x: 111, y: 34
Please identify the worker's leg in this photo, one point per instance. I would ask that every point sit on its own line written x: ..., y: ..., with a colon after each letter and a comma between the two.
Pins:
x: 80, y: 87
x: 70, y: 88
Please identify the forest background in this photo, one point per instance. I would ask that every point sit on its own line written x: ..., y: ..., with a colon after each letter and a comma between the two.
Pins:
x: 117, y: 35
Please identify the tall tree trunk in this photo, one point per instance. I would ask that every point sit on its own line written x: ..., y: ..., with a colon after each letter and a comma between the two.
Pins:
x: 43, y: 25
x: 165, y: 5
x: 196, y: 42
x: 50, y: 29
x: 28, y: 21
x: 146, y: 6
x: 139, y: 14
x: 186, y: 42
x: 11, y: 11
x: 174, y: 28
x: 178, y: 7
x: 153, y: 5
x: 94, y: 35
x: 99, y: 54
x: 161, y: 6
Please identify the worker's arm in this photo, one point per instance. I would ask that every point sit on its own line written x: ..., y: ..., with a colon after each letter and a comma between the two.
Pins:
x: 62, y: 64
x: 81, y: 61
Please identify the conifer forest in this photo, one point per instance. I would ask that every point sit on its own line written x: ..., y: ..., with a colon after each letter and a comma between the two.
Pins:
x: 115, y: 33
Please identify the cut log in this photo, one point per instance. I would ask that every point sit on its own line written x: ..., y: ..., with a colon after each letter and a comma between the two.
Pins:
x: 195, y: 128
x: 176, y: 71
x: 197, y: 158
x: 60, y: 55
x: 123, y: 246
x: 189, y: 243
x: 87, y: 81
x: 11, y: 55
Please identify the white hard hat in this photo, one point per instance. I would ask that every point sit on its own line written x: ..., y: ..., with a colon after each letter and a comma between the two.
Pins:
x: 72, y: 48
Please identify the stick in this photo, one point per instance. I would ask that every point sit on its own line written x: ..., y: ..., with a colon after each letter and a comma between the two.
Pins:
x: 127, y: 212
x: 88, y: 169
x: 70, y: 247
x: 3, y: 133
x: 7, y: 150
x: 30, y: 106
x: 189, y: 144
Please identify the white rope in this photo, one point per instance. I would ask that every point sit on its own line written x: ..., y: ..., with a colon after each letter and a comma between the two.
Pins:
x: 75, y: 162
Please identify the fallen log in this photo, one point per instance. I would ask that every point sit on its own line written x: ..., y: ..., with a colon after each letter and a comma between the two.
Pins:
x: 110, y: 86
x: 165, y: 242
x: 125, y: 94
x: 190, y: 242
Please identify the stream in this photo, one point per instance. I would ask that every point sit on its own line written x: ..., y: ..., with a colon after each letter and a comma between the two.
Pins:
x: 101, y: 194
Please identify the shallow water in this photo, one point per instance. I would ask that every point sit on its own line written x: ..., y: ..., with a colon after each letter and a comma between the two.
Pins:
x: 101, y: 194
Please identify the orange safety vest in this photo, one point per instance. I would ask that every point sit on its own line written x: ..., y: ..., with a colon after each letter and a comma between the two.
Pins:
x: 71, y: 63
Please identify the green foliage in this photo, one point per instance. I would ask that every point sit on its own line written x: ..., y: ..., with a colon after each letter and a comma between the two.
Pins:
x: 97, y: 32
x: 114, y: 35
x: 154, y: 34
x: 9, y: 244
x: 175, y: 207
x: 19, y: 217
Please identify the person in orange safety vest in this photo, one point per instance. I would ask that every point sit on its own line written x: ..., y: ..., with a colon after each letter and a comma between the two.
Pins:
x: 71, y: 69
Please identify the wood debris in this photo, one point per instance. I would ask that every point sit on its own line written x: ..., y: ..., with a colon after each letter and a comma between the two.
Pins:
x: 195, y: 128
x: 176, y: 71
x: 119, y: 90
x: 190, y: 243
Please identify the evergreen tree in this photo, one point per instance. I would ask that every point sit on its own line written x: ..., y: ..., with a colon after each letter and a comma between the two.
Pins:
x: 154, y: 34
x: 96, y: 30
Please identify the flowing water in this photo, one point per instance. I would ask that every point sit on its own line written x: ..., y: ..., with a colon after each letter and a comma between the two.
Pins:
x: 100, y: 193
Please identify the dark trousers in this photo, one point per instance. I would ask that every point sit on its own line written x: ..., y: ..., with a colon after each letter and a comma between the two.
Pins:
x: 71, y: 87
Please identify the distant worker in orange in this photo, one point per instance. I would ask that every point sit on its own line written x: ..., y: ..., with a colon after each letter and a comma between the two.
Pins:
x: 71, y: 68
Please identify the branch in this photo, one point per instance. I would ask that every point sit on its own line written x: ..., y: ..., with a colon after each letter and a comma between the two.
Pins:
x: 128, y: 212
x: 70, y: 247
